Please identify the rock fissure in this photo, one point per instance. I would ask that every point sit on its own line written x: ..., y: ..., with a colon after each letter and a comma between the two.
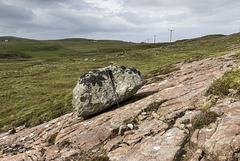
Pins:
x: 217, y: 124
x: 115, y: 146
x: 233, y: 155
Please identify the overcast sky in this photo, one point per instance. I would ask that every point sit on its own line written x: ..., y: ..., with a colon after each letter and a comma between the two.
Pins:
x: 128, y: 20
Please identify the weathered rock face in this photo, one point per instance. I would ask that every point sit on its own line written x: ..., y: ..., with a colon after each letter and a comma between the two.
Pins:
x: 102, y: 88
x: 158, y: 126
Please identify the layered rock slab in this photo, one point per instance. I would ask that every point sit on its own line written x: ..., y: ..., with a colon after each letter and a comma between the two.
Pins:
x: 163, y: 146
x: 161, y: 133
x: 104, y: 87
x: 221, y: 140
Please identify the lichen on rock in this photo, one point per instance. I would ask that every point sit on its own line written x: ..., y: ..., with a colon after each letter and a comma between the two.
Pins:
x: 102, y: 88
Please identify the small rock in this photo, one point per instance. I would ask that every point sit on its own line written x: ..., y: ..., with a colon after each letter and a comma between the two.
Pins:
x: 21, y: 150
x: 233, y: 91
x: 189, y: 126
x: 122, y: 129
x: 94, y: 150
x: 14, y: 145
x: 47, y: 126
x: 130, y: 126
x: 144, y: 113
x: 156, y: 148
x: 141, y: 117
x: 155, y: 115
x: 181, y: 126
x: 162, y: 118
x: 216, y: 97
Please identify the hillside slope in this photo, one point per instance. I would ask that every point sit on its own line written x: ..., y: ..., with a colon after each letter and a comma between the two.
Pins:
x: 169, y: 119
x: 12, y: 38
x: 38, y: 89
x: 54, y: 48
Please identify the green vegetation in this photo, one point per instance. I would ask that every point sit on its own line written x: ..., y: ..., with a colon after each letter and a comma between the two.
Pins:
x: 204, y: 119
x: 57, y: 48
x: 13, y: 131
x: 153, y: 107
x: 38, y: 89
x: 206, y: 105
x: 100, y: 158
x: 51, y: 140
x: 222, y: 86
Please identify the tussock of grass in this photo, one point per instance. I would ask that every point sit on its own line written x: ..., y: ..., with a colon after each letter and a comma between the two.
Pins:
x: 38, y: 89
x: 220, y: 87
x: 100, y: 158
x: 164, y: 70
x: 51, y: 140
x: 204, y: 119
x: 206, y: 105
x: 153, y: 80
x: 230, y: 80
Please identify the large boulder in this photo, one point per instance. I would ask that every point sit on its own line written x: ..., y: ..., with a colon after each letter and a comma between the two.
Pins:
x: 102, y: 88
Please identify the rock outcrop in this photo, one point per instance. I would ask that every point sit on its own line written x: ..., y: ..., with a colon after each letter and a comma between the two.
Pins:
x: 155, y: 125
x: 102, y: 88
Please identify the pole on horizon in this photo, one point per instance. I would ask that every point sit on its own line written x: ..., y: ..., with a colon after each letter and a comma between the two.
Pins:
x: 155, y: 38
x: 171, y: 34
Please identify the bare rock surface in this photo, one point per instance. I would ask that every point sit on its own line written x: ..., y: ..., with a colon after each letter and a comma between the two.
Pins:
x: 104, y: 87
x: 159, y: 117
x: 221, y: 140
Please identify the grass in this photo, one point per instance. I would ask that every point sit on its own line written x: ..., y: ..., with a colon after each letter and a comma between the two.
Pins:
x: 230, y: 80
x: 220, y: 87
x: 57, y: 48
x: 51, y: 140
x: 206, y: 105
x: 38, y: 89
x: 100, y: 158
x: 204, y: 119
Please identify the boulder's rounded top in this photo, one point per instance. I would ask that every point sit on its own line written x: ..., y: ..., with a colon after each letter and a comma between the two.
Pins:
x: 97, y: 76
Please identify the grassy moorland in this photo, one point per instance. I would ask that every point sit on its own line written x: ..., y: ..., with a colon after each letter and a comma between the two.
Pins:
x: 54, y: 48
x: 38, y: 89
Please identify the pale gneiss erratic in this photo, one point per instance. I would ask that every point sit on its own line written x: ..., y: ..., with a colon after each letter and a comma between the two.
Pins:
x: 102, y: 88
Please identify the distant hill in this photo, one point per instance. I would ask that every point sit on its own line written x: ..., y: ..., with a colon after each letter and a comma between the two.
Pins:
x: 11, y: 46
x: 16, y: 47
x: 12, y: 38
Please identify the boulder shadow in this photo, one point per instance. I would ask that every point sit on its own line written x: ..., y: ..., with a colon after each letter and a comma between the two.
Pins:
x: 130, y: 100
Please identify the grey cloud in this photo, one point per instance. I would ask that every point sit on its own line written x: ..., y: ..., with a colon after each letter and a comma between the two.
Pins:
x: 134, y: 20
x: 10, y: 12
x: 38, y: 3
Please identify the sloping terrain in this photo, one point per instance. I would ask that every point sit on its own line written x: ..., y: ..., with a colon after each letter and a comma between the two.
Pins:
x: 12, y: 46
x: 164, y: 118
x: 38, y: 89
